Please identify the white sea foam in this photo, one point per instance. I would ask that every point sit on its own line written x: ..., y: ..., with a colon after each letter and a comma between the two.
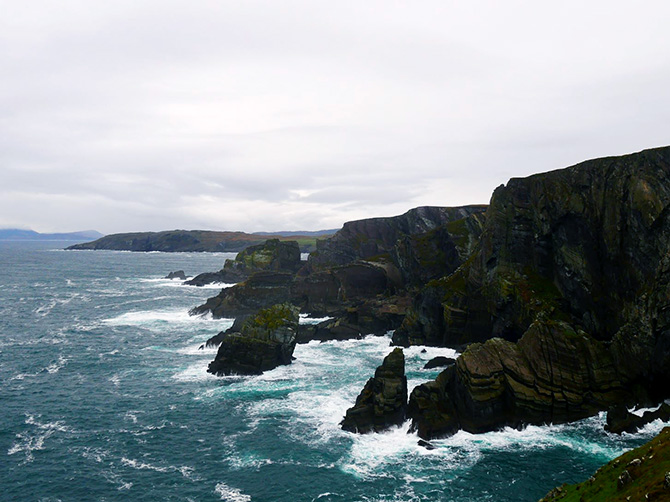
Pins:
x: 307, y: 319
x: 230, y: 494
x: 185, y: 471
x: 56, y: 366
x: 158, y: 319
x: 29, y: 442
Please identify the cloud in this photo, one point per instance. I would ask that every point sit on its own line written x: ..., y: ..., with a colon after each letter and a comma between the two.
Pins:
x: 264, y: 115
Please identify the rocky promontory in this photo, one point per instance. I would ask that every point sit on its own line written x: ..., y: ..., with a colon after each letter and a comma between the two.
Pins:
x: 264, y: 341
x: 171, y: 241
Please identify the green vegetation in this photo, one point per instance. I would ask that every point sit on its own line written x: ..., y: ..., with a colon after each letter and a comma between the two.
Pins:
x: 639, y: 474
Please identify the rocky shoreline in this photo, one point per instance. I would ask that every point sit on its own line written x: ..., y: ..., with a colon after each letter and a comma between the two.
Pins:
x: 557, y: 294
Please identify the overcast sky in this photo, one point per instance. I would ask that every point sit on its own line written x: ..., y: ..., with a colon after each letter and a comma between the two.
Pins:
x: 282, y: 115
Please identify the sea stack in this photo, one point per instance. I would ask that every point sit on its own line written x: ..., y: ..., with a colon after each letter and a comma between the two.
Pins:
x: 383, y: 401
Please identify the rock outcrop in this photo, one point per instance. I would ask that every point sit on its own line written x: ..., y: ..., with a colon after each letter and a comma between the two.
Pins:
x: 265, y: 341
x: 640, y: 474
x: 383, y: 401
x: 366, y: 271
x: 179, y: 274
x: 272, y: 255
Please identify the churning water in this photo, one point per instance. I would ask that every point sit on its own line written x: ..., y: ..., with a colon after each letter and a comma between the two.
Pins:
x: 104, y: 396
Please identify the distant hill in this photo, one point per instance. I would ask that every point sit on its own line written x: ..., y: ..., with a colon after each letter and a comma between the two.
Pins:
x: 302, y: 233
x: 16, y: 234
x: 194, y: 241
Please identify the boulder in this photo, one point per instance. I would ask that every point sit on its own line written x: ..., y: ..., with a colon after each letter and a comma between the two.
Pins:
x: 383, y: 401
x: 439, y: 362
x: 265, y: 341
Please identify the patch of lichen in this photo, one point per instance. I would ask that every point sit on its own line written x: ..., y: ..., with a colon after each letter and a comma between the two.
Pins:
x: 272, y: 318
x: 647, y: 477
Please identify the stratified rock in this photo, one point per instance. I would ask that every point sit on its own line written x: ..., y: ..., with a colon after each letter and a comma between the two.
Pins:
x: 378, y: 237
x: 383, y: 401
x: 580, y: 243
x: 555, y: 373
x: 439, y: 362
x: 265, y: 341
x: 179, y: 274
x: 272, y: 255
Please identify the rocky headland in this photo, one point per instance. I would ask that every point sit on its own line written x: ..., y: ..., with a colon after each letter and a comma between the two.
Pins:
x: 557, y: 294
x: 171, y: 241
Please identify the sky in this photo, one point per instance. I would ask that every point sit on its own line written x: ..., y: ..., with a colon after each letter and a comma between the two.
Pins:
x: 303, y: 114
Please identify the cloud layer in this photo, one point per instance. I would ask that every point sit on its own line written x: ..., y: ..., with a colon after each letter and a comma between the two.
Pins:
x: 303, y: 114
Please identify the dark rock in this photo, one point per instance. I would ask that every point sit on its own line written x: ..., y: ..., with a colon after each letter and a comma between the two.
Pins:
x: 553, y: 374
x: 179, y: 274
x: 265, y: 341
x: 438, y: 362
x: 619, y: 419
x: 579, y: 243
x: 378, y: 237
x: 383, y: 401
x: 272, y: 255
x: 425, y: 444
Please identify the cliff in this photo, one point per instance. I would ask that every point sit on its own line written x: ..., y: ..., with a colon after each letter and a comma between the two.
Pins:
x: 570, y: 286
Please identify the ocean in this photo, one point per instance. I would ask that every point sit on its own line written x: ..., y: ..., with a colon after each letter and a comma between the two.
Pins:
x: 105, y: 397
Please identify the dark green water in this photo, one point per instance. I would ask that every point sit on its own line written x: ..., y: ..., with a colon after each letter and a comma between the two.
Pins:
x: 104, y: 396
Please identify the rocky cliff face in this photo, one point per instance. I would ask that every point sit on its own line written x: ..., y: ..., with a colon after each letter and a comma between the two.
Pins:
x: 383, y: 401
x: 573, y: 265
x: 365, y: 270
x: 584, y: 241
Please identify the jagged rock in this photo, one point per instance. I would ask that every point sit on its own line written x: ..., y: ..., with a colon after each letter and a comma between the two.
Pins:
x: 439, y: 362
x: 378, y: 237
x: 179, y: 274
x: 265, y: 341
x: 555, y: 373
x: 619, y: 419
x: 272, y: 255
x: 383, y: 401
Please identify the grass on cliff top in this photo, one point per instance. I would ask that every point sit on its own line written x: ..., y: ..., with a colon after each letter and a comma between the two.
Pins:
x: 648, y: 478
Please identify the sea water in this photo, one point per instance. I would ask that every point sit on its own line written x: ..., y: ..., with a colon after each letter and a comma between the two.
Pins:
x: 104, y: 396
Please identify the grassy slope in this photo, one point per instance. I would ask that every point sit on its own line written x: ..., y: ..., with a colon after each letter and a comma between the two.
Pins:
x: 648, y: 477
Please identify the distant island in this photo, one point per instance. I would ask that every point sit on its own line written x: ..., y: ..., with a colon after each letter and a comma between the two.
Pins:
x: 199, y: 241
x: 16, y: 234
